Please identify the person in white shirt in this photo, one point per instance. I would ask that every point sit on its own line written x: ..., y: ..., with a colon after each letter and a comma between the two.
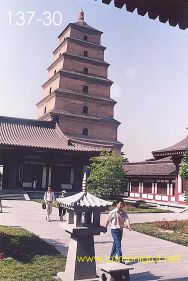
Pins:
x: 49, y: 198
x: 117, y: 219
x: 62, y: 210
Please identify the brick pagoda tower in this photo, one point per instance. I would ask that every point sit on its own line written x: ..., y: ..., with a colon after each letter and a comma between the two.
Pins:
x: 77, y: 92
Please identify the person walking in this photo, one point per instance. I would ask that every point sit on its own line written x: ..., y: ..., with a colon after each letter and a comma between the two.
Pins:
x: 34, y: 184
x: 117, y: 219
x: 62, y: 210
x: 49, y: 198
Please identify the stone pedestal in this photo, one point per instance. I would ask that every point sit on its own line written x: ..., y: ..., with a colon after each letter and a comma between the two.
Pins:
x: 114, y: 271
x: 83, y: 222
x: 81, y: 263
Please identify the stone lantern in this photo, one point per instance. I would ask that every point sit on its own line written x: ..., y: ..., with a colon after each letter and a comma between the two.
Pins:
x: 83, y: 222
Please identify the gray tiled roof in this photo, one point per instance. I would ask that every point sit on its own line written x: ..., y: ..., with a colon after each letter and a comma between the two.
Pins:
x: 150, y: 168
x: 173, y: 11
x: 37, y: 134
x: 83, y: 199
x: 177, y: 148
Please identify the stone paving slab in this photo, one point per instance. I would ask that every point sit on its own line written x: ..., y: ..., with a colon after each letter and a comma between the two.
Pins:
x: 30, y: 215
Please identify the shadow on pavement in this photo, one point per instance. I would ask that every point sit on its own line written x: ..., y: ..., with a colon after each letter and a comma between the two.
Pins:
x: 62, y: 248
x: 144, y: 276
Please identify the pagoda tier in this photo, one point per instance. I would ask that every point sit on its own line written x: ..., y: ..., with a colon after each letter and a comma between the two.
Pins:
x: 77, y: 91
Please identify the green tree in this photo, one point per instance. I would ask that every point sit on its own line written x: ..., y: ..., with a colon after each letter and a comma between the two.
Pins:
x: 184, y: 171
x: 107, y: 175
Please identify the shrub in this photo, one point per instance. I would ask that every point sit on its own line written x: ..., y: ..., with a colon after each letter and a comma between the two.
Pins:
x: 186, y: 197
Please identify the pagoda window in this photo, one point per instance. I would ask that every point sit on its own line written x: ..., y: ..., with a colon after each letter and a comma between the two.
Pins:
x: 85, y: 132
x: 85, y: 109
x: 50, y: 90
x: 85, y: 53
x: 59, y: 54
x: 85, y: 38
x: 55, y: 72
x: 85, y: 70
x: 45, y: 110
x: 85, y: 89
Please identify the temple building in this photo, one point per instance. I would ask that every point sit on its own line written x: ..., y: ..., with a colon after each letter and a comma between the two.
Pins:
x: 158, y: 178
x: 75, y: 118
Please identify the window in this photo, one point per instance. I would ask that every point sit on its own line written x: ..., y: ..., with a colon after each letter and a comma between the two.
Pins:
x: 45, y: 110
x: 54, y: 72
x: 85, y: 109
x: 85, y: 37
x: 59, y: 54
x: 85, y: 89
x: 85, y: 70
x: 85, y: 132
x: 50, y: 90
x: 85, y: 53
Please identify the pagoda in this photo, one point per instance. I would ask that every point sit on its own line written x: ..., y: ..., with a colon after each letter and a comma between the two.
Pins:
x: 77, y: 92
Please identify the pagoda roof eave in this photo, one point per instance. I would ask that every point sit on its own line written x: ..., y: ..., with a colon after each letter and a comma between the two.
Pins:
x: 78, y: 75
x: 61, y: 92
x: 79, y: 41
x: 87, y: 117
x: 87, y: 27
x: 86, y: 76
x: 97, y: 62
x: 81, y: 58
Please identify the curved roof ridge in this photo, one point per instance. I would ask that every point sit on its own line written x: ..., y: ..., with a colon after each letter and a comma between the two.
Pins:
x: 24, y: 133
x: 61, y: 135
x: 181, y: 145
x: 27, y: 121
x: 83, y: 199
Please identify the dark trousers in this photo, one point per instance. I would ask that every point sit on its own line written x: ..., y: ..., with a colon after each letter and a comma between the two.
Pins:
x: 62, y: 211
x: 116, y: 248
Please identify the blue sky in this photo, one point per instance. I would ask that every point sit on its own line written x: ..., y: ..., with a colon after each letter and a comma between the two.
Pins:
x: 149, y: 66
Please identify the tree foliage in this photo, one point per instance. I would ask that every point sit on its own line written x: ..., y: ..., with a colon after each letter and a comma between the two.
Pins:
x: 184, y: 166
x: 184, y: 171
x: 107, y: 175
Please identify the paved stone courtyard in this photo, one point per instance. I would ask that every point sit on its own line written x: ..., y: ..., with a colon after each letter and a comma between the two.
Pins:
x: 30, y: 215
